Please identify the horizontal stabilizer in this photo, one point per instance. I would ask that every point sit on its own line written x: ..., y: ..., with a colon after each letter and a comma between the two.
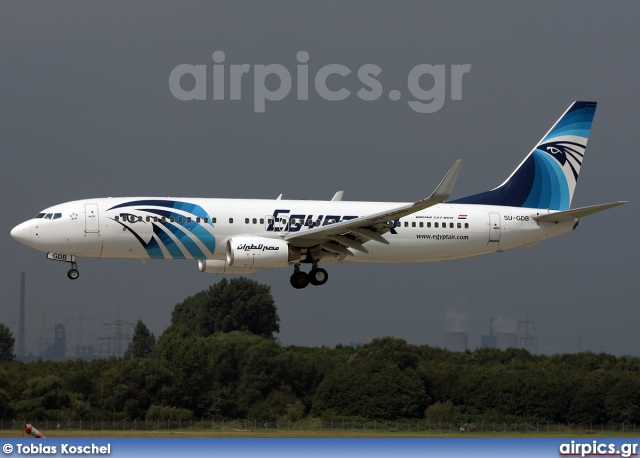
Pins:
x: 569, y: 215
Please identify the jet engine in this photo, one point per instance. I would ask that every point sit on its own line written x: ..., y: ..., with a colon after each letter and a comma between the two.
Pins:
x: 254, y: 251
x: 221, y: 267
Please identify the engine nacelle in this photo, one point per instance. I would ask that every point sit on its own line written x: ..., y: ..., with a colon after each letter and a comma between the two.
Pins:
x: 254, y: 251
x: 221, y: 267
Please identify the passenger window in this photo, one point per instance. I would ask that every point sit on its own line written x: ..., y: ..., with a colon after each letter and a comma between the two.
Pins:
x: 164, y: 219
x: 139, y: 219
x: 180, y: 219
x: 188, y: 219
x: 466, y: 225
x: 255, y: 221
x: 155, y: 219
x: 270, y: 220
x: 148, y: 218
x: 197, y: 219
x: 413, y: 224
x: 435, y: 224
x: 451, y: 225
x: 173, y: 219
x: 206, y: 220
x: 261, y: 220
x: 428, y: 224
x: 421, y: 224
x: 230, y: 220
x: 117, y: 218
x: 459, y: 225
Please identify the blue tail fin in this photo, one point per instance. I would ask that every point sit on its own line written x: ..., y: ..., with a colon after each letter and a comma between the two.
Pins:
x: 548, y: 175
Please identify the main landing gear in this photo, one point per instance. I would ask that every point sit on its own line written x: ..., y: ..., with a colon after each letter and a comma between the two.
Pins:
x: 316, y: 277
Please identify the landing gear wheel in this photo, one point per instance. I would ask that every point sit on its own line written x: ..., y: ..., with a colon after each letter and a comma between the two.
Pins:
x: 73, y: 274
x: 299, y: 280
x: 318, y: 277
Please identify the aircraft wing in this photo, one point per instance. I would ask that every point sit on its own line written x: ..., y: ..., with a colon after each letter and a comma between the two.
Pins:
x: 576, y: 213
x: 339, y: 237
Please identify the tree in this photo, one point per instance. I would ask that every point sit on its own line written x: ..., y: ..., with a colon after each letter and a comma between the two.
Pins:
x: 237, y: 305
x: 142, y: 343
x: 252, y: 369
x: 7, y: 341
x: 44, y: 397
x: 622, y: 403
x: 133, y: 386
x: 186, y: 357
x: 371, y: 389
x: 441, y: 412
x: 378, y: 381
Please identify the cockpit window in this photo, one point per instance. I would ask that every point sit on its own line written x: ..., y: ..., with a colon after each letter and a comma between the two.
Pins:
x: 57, y: 215
x: 48, y: 216
x: 39, y: 215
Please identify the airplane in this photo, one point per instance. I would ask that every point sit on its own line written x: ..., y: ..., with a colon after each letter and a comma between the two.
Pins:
x: 241, y: 236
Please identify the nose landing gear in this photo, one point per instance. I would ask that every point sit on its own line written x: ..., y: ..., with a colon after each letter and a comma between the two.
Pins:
x: 71, y: 259
x: 73, y: 272
x: 316, y: 276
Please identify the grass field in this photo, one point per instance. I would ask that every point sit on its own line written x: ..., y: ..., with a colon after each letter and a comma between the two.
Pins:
x: 185, y: 433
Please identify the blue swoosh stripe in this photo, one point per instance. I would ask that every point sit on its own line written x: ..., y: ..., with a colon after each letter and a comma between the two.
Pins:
x: 550, y: 188
x: 179, y: 230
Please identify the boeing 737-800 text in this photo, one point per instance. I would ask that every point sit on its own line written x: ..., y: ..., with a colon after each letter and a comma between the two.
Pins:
x: 240, y: 236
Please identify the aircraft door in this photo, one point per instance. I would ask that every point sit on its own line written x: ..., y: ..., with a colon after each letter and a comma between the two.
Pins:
x: 91, y: 218
x: 494, y: 227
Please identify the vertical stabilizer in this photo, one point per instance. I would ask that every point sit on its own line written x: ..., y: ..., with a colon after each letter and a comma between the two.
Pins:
x: 548, y: 175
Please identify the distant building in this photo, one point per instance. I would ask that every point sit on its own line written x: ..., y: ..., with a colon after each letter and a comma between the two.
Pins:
x: 455, y: 341
x: 490, y: 341
x: 506, y: 340
x: 57, y: 351
x: 501, y: 340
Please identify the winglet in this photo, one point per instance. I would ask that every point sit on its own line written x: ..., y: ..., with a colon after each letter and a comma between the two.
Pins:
x: 337, y: 196
x: 445, y: 188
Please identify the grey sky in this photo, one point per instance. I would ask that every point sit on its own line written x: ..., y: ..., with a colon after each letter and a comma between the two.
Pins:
x: 87, y: 112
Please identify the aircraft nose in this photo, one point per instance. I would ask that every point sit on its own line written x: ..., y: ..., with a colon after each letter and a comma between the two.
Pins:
x: 22, y: 233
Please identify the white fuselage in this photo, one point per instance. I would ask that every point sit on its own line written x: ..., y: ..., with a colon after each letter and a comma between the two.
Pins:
x: 200, y: 228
